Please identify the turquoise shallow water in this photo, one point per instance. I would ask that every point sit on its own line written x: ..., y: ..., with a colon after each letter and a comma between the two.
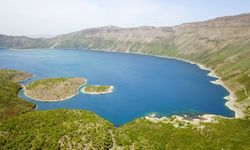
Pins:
x: 143, y: 84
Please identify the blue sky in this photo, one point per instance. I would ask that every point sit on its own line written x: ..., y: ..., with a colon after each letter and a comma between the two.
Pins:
x: 42, y: 17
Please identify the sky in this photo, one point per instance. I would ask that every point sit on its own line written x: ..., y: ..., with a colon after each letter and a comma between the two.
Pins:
x: 53, y: 17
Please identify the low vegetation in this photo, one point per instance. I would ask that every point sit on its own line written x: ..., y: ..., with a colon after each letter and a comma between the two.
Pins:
x: 77, y: 129
x: 53, y: 89
x: 10, y: 103
x: 144, y: 134
x: 97, y: 89
x: 57, y: 129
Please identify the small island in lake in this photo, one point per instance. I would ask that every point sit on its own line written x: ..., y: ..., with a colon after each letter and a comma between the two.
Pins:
x: 14, y: 75
x: 97, y: 89
x: 54, y: 89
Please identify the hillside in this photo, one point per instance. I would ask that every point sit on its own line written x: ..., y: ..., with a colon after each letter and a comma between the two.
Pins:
x: 22, y: 42
x: 78, y: 129
x: 221, y: 44
x: 10, y: 104
x: 58, y: 129
x: 227, y: 134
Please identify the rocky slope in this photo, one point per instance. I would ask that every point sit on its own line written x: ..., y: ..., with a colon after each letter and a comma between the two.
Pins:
x: 222, y: 44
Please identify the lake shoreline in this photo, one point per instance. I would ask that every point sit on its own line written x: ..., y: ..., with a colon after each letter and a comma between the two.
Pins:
x: 231, y: 98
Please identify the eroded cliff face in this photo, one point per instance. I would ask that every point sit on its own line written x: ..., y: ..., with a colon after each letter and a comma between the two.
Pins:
x: 222, y: 44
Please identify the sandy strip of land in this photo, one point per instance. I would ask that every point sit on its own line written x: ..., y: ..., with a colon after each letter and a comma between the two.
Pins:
x: 66, y: 98
x: 231, y: 97
x: 26, y: 78
x: 95, y: 93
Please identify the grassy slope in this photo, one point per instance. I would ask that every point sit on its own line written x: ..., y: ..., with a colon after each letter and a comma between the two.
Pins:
x: 10, y: 104
x: 72, y: 129
x: 66, y: 129
x: 143, y: 134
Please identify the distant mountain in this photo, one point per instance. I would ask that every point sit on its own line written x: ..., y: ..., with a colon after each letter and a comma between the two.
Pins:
x: 21, y: 42
x: 222, y: 44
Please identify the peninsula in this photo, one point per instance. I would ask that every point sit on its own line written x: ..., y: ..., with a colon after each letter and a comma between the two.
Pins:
x: 97, y: 89
x: 14, y: 75
x: 54, y: 89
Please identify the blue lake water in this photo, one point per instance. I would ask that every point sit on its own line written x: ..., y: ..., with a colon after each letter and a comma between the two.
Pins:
x: 143, y: 84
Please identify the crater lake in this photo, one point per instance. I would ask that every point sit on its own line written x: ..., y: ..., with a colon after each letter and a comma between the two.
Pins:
x: 142, y: 84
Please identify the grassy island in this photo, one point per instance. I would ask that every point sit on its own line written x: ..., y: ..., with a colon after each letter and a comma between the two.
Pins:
x: 14, y: 75
x: 54, y: 89
x: 97, y: 89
